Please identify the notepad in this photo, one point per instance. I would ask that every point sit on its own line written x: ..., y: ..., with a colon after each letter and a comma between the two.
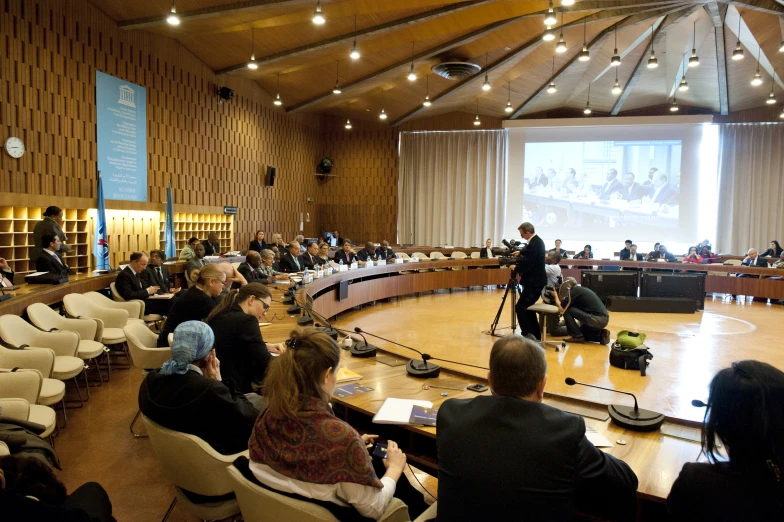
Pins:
x: 161, y: 296
x: 398, y: 411
x: 346, y: 375
x: 596, y: 438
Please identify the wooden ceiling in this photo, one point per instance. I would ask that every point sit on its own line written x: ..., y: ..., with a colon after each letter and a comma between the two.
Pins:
x: 504, y: 37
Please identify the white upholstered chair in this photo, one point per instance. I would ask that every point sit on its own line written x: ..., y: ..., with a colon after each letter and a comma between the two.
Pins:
x: 111, y: 321
x: 144, y: 354
x: 17, y: 388
x: 147, y: 318
x: 135, y: 307
x: 41, y: 360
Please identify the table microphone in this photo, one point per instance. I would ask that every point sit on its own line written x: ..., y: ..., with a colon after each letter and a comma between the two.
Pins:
x: 698, y: 404
x: 635, y: 419
x: 421, y: 369
x: 363, y: 349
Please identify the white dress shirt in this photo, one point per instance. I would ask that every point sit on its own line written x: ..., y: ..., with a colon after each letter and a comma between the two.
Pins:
x: 489, y: 252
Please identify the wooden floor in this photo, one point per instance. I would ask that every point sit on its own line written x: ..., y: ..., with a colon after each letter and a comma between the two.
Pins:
x: 688, y: 348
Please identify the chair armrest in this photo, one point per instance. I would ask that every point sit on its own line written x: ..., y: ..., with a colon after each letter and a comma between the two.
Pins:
x: 112, y: 317
x: 86, y: 328
x: 62, y: 342
x: 396, y: 511
x: 429, y: 514
x: 15, y: 408
x: 40, y: 359
x: 17, y: 385
x: 134, y: 307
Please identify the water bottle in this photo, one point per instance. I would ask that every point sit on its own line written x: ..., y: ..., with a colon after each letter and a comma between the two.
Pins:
x: 306, y: 276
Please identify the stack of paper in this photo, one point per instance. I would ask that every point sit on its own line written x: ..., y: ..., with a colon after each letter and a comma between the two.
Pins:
x: 398, y: 411
x: 346, y: 375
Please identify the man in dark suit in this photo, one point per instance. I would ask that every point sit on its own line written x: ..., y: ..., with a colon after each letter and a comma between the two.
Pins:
x: 384, y: 252
x: 290, y: 262
x: 539, y: 179
x: 753, y: 259
x: 631, y: 190
x: 634, y: 255
x: 625, y: 252
x: 661, y: 192
x: 251, y: 268
x: 661, y: 253
x: 530, y: 273
x: 611, y: 184
x: 487, y: 250
x: 337, y: 241
x: 49, y: 260
x: 558, y: 249
x: 130, y: 284
x: 156, y: 273
x: 195, y: 263
x: 212, y: 245
x: 308, y: 258
x: 507, y: 456
x: 367, y: 254
x: 345, y: 254
x: 583, y: 306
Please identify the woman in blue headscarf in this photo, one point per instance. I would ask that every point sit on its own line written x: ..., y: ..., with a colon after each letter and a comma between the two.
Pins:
x: 187, y: 393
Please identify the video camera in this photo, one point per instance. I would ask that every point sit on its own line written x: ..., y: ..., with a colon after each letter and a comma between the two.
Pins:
x: 511, y: 247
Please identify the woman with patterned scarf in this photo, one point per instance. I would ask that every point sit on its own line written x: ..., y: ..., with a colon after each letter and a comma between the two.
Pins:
x: 300, y: 447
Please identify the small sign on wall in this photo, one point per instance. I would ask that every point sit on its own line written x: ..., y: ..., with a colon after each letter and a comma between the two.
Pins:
x: 230, y: 210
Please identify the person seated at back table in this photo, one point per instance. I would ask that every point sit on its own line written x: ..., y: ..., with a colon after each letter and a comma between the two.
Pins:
x: 345, y: 254
x: 780, y: 262
x: 507, y: 456
x: 188, y: 394
x: 132, y: 284
x: 745, y: 414
x: 707, y: 255
x: 625, y: 251
x: 258, y: 244
x: 188, y: 251
x: 308, y: 257
x: 323, y: 254
x: 662, y: 253
x: 384, y: 252
x: 634, y: 255
x: 156, y: 273
x: 196, y: 303
x: 487, y: 251
x: 289, y: 262
x: 196, y: 262
x: 49, y: 260
x: 267, y: 268
x: 586, y: 253
x: 692, y: 256
x: 775, y: 250
x: 212, y: 245
x: 558, y: 249
x: 581, y: 305
x: 367, y: 254
x: 251, y: 268
x: 753, y: 259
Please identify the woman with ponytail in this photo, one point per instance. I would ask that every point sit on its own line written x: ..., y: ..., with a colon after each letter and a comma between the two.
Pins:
x: 238, y: 342
x: 197, y: 302
x: 744, y: 477
x: 299, y: 446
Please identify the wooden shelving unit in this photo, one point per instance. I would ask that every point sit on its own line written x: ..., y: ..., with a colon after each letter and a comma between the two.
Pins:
x: 187, y: 225
x: 16, y: 237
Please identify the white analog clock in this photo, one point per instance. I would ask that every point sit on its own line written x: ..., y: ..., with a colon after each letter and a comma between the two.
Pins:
x: 14, y: 147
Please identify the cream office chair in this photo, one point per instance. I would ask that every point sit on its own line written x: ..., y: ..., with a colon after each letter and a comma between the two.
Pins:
x: 194, y: 467
x: 110, y: 321
x: 475, y: 255
x: 89, y: 348
x: 18, y: 333
x: 147, y: 318
x: 259, y: 504
x: 458, y: 255
x: 134, y: 307
x: 145, y: 355
x: 41, y: 360
x: 25, y: 385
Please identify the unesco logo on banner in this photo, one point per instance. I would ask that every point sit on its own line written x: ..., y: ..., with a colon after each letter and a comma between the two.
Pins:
x: 126, y: 96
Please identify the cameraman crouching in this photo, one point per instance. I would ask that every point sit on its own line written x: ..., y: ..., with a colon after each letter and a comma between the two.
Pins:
x: 584, y: 306
x: 555, y: 328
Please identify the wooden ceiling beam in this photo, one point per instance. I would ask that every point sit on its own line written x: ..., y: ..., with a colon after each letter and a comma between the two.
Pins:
x: 763, y: 6
x: 208, y: 12
x: 597, y: 40
x: 717, y: 13
x: 374, y: 30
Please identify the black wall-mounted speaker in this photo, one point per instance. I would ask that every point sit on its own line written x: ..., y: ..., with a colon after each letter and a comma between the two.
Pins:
x: 270, y: 177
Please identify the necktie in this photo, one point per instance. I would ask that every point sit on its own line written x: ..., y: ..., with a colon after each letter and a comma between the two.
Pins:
x: 160, y: 276
x: 296, y: 261
x: 139, y: 280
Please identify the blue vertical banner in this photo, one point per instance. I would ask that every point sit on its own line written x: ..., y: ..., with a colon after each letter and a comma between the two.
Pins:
x: 101, y: 247
x: 121, y: 132
x: 170, y: 246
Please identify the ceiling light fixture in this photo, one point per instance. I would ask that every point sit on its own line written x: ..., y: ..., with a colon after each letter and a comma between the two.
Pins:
x: 551, y: 88
x: 757, y: 80
x: 318, y: 16
x: 737, y: 54
x: 561, y: 47
x: 411, y: 74
x: 616, y: 89
x: 587, y: 109
x: 781, y: 47
x: 548, y: 35
x: 684, y: 85
x: 567, y: 2
x: 354, y: 54
x: 549, y: 18
x: 173, y: 19
x: 336, y: 89
x: 427, y: 102
x: 348, y: 124
x: 476, y: 120
x: 615, y: 61
x: 771, y: 97
x: 383, y: 115
x: 694, y: 60
x: 278, y: 101
x: 652, y: 61
x: 486, y: 85
x: 508, y: 107
x: 585, y: 55
x: 674, y: 107
x: 252, y: 63
x: 782, y: 114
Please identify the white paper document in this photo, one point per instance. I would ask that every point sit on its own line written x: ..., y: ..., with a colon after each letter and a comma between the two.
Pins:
x: 398, y: 411
x: 596, y: 438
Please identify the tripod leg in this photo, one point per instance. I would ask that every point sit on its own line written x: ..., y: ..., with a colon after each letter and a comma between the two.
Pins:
x: 510, y: 286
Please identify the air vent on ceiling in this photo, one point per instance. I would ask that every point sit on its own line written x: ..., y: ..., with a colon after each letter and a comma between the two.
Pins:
x: 456, y: 70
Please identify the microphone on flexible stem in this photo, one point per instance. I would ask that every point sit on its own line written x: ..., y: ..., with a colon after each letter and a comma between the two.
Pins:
x: 698, y: 404
x: 421, y: 369
x: 635, y: 419
x: 357, y: 349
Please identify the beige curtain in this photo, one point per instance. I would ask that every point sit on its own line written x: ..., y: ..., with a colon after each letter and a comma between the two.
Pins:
x: 751, y: 187
x: 451, y: 187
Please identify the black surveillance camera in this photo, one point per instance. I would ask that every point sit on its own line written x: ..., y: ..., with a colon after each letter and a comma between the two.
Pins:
x: 225, y: 93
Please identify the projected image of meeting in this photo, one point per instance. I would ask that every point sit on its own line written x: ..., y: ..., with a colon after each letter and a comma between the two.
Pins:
x: 607, y: 184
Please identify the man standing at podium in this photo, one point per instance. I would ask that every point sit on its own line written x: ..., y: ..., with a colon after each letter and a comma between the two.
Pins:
x: 530, y: 273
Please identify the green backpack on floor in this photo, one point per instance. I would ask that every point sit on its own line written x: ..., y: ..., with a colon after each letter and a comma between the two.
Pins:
x: 629, y: 352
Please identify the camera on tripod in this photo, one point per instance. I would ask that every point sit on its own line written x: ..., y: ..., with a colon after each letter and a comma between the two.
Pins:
x: 511, y: 247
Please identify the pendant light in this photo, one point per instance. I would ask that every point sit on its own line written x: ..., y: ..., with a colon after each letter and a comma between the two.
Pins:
x: 757, y: 80
x: 585, y: 55
x: 615, y: 61
x: 383, y: 115
x: 684, y: 85
x: 567, y: 2
x: 549, y: 18
x: 508, y: 107
x: 318, y: 16
x: 476, y: 120
x: 347, y: 126
x: 427, y: 102
x: 252, y: 63
x: 652, y: 61
x: 781, y: 47
x: 694, y: 60
x: 587, y: 109
x: 674, y: 107
x: 411, y: 74
x: 278, y: 101
x: 561, y: 47
x: 551, y: 88
x: 771, y: 97
x: 616, y: 88
x: 782, y: 114
x: 354, y: 54
x: 336, y: 89
x: 486, y: 85
x: 737, y: 54
x: 548, y: 34
x: 173, y: 19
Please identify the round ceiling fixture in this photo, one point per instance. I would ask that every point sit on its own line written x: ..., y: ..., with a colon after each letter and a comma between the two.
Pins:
x: 456, y: 70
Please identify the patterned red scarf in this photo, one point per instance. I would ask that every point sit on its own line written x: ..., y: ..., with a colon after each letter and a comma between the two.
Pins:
x: 316, y: 447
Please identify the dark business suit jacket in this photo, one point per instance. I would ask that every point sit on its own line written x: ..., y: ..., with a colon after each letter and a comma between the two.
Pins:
x: 624, y: 254
x: 200, y: 406
x: 760, y: 262
x: 210, y: 249
x: 363, y: 255
x: 667, y: 196
x: 7, y: 275
x: 252, y: 275
x: 240, y: 348
x: 288, y: 264
x: 193, y: 263
x: 151, y: 278
x: 191, y: 305
x: 258, y: 247
x: 340, y: 255
x: 530, y: 264
x: 47, y: 263
x: 129, y: 287
x: 607, y: 190
x: 561, y: 251
x: 47, y: 226
x: 635, y: 192
x: 307, y: 261
x: 483, y: 253
x: 504, y: 458
x: 380, y: 254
